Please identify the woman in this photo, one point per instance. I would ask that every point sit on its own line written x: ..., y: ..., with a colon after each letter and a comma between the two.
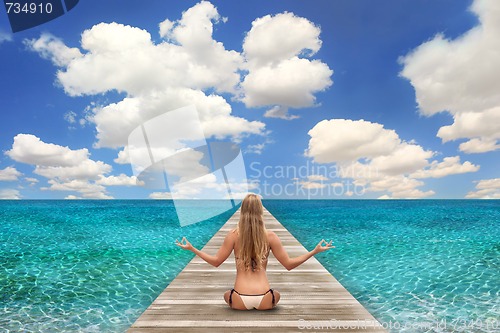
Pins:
x: 252, y: 243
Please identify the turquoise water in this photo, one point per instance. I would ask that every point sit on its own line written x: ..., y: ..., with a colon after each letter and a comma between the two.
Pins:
x: 94, y: 266
x: 417, y: 266
x: 88, y: 266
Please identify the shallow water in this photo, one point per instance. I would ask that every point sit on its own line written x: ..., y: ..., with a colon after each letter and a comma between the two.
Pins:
x: 88, y: 266
x: 95, y: 266
x: 432, y: 265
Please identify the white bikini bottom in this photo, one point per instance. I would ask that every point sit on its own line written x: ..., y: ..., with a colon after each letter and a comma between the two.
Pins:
x: 250, y: 301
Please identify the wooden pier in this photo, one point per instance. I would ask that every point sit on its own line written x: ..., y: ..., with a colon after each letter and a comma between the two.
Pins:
x: 312, y: 299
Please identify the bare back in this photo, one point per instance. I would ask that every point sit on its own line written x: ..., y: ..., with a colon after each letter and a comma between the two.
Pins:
x: 248, y: 281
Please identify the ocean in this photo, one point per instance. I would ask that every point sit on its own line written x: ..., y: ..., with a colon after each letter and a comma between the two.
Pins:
x: 95, y: 266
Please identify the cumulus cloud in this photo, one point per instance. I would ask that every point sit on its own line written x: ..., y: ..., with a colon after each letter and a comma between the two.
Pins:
x: 210, y: 186
x: 400, y: 187
x: 339, y: 140
x: 294, y: 35
x: 449, y: 166
x: 279, y: 74
x: 120, y: 180
x: 112, y: 46
x: 486, y: 189
x: 477, y: 145
x: 9, y: 194
x: 159, y: 77
x: 292, y: 83
x: 87, y: 189
x: 29, y: 149
x: 377, y: 159
x: 280, y: 112
x: 87, y: 169
x: 31, y: 180
x: 52, y: 48
x: 65, y: 169
x: 9, y: 174
x: 460, y: 76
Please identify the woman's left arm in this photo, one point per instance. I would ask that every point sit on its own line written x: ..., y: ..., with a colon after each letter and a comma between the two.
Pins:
x: 216, y: 260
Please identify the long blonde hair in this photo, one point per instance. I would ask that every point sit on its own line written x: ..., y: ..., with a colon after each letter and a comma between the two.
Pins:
x: 252, y: 234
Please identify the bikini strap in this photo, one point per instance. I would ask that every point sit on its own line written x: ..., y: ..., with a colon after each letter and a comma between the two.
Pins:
x: 272, y: 293
x: 231, y: 298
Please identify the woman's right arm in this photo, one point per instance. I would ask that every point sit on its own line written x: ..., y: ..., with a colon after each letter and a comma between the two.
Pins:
x: 281, y: 255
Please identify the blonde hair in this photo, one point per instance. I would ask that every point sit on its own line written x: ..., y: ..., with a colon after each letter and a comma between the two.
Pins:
x: 252, y: 234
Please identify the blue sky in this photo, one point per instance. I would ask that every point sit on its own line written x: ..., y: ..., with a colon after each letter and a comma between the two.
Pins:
x: 327, y: 99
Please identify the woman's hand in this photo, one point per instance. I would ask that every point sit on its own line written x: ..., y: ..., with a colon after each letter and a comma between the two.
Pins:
x: 184, y: 243
x: 323, y: 246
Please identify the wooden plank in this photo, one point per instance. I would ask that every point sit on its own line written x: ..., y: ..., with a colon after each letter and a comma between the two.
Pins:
x: 311, y: 298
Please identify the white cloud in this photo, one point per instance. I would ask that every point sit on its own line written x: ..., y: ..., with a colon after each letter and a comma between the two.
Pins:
x: 255, y: 149
x: 483, y: 127
x: 87, y: 189
x: 70, y: 117
x: 31, y: 180
x: 9, y: 174
x: 66, y: 169
x: 377, y: 159
x: 165, y: 28
x: 449, y: 166
x: 461, y: 77
x: 30, y: 149
x: 209, y: 186
x: 115, y: 121
x: 400, y: 187
x: 308, y: 185
x: 259, y: 147
x: 339, y: 140
x: 477, y: 145
x: 9, y: 194
x: 486, y: 189
x: 123, y: 157
x: 283, y: 36
x: 161, y: 195
x: 120, y: 180
x: 194, y: 188
x: 5, y: 37
x: 157, y: 77
x: 52, y: 48
x: 190, y: 67
x: 403, y: 159
x: 193, y: 59
x: 292, y: 83
x: 88, y: 169
x: 317, y: 178
x: 279, y: 112
x: 278, y: 73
